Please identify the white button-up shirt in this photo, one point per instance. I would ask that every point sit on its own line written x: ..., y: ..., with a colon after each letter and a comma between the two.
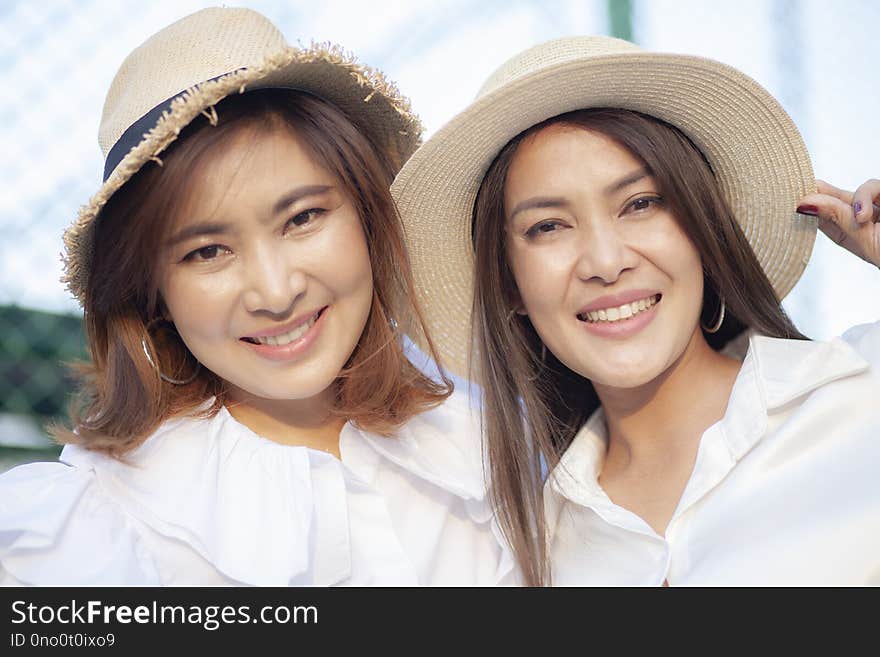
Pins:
x: 785, y: 489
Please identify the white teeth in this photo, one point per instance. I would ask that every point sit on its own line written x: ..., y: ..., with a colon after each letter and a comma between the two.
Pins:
x: 625, y: 311
x: 290, y: 336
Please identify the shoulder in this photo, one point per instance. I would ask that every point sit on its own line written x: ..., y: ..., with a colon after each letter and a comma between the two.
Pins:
x: 442, y: 445
x: 73, y: 522
x: 59, y: 527
x: 453, y: 428
x: 865, y: 340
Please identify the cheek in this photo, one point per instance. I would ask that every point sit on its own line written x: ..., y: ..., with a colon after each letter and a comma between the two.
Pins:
x: 684, y: 259
x: 346, y: 259
x: 541, y: 275
x: 198, y: 305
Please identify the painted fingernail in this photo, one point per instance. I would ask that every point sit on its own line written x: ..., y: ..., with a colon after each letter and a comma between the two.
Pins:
x: 857, y: 208
x: 811, y: 210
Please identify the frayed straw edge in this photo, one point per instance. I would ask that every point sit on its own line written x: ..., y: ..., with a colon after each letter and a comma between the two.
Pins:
x: 365, y: 76
x: 200, y: 99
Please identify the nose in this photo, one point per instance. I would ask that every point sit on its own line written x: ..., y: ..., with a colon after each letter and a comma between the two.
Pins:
x: 602, y: 253
x: 273, y: 283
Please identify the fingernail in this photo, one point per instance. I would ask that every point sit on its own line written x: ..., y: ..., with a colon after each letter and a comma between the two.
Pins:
x: 811, y: 210
x: 857, y: 208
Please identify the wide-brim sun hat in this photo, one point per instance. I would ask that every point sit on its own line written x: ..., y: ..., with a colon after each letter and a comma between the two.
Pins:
x: 753, y: 147
x: 185, y: 69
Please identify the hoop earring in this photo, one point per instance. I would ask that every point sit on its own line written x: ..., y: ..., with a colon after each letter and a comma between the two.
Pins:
x: 168, y: 379
x: 717, y: 325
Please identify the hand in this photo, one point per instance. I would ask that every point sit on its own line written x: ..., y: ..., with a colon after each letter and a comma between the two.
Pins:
x: 859, y: 232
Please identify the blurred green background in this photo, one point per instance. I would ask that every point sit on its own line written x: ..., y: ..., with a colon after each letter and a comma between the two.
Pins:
x: 34, y: 383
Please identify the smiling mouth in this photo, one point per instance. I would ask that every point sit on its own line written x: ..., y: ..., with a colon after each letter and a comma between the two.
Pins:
x: 292, y: 335
x: 620, y: 313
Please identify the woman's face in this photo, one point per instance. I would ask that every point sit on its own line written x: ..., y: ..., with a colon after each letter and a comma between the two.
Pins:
x: 266, y: 273
x: 609, y: 280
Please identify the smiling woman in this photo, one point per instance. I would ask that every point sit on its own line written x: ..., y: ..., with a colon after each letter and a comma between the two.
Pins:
x: 635, y: 219
x: 249, y: 415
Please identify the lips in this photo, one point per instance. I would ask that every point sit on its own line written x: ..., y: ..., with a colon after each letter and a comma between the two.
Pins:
x: 623, y: 311
x: 287, y: 333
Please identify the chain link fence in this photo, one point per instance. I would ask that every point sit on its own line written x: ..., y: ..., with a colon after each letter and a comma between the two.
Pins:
x: 57, y: 59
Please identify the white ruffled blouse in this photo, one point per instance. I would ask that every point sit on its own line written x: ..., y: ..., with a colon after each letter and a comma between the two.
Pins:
x: 209, y: 502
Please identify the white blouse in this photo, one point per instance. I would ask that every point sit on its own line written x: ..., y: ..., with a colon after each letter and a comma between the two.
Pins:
x: 785, y: 489
x: 209, y: 502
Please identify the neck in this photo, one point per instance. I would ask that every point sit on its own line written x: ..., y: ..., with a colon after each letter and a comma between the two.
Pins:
x: 662, y: 421
x: 300, y: 422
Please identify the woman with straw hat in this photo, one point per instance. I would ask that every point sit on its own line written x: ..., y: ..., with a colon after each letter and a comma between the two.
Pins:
x: 249, y: 416
x: 621, y: 227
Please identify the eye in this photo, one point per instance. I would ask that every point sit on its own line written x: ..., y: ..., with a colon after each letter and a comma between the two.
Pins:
x: 542, y: 228
x: 206, y: 253
x: 303, y: 219
x: 642, y: 204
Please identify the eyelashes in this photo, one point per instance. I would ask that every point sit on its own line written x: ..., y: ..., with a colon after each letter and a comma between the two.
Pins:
x: 543, y: 227
x: 300, y: 222
x: 643, y: 203
x: 306, y: 218
x: 638, y: 206
x: 205, y: 253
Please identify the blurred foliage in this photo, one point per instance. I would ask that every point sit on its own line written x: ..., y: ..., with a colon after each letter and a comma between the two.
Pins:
x: 34, y: 345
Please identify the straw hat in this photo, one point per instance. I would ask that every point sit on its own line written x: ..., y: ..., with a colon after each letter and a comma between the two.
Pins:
x: 754, y: 148
x: 189, y: 66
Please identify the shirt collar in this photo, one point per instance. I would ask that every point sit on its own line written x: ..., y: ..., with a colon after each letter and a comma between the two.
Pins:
x: 788, y: 369
x: 774, y: 373
x: 576, y: 476
x: 446, y: 456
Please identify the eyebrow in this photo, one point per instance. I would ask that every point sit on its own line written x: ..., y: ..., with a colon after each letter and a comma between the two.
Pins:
x: 197, y: 230
x: 539, y: 202
x: 299, y: 193
x: 218, y: 228
x: 627, y: 180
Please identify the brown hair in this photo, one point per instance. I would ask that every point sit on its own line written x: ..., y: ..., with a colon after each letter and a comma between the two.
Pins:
x: 122, y: 399
x: 533, y: 409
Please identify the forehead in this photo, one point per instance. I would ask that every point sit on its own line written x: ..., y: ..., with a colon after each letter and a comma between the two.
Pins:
x: 565, y: 140
x: 249, y: 165
x: 560, y: 155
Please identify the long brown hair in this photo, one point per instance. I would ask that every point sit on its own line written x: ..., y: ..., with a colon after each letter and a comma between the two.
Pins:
x: 122, y: 399
x: 533, y: 404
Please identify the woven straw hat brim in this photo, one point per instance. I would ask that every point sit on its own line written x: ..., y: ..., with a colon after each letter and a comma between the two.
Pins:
x: 373, y: 104
x: 754, y: 148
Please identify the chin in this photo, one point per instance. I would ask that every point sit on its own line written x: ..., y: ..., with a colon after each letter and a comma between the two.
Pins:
x: 625, y: 377
x: 301, y: 388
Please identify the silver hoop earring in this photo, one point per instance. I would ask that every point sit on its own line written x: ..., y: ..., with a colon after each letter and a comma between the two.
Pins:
x: 168, y: 379
x: 717, y: 325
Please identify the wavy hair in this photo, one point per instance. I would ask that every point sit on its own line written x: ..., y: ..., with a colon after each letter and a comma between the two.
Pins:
x: 121, y: 398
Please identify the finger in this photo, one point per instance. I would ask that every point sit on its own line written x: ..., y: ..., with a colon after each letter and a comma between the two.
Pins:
x: 826, y: 188
x: 835, y: 233
x: 864, y: 207
x: 840, y: 237
x: 828, y: 207
x: 832, y: 230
